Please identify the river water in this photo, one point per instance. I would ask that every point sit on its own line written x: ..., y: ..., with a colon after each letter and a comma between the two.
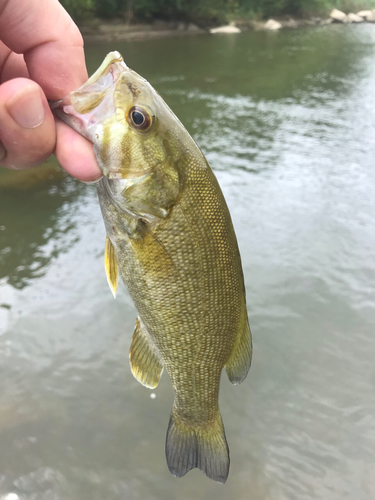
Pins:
x: 287, y: 121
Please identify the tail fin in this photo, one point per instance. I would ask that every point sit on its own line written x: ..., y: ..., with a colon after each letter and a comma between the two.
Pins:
x: 202, y: 446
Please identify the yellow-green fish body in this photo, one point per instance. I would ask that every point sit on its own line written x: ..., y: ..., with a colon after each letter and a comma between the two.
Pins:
x: 170, y: 235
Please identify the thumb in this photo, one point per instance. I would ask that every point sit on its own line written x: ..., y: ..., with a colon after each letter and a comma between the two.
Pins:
x: 27, y: 127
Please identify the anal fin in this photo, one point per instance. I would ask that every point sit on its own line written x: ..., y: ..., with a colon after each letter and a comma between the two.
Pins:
x: 145, y: 362
x: 111, y: 267
x: 239, y: 361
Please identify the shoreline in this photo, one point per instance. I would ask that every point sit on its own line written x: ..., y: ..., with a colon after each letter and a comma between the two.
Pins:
x: 101, y: 31
x: 109, y: 31
x: 119, y: 31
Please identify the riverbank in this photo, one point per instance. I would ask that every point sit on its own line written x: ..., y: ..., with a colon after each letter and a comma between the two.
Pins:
x: 108, y: 31
x: 100, y: 31
x: 117, y: 30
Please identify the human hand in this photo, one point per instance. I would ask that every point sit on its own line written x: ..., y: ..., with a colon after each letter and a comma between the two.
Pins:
x: 41, y: 58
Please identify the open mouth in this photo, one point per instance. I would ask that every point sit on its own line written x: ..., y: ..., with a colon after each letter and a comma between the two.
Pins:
x: 89, y: 104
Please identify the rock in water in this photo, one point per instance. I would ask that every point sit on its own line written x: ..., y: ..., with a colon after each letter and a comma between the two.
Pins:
x: 354, y: 18
x: 225, y: 29
x: 338, y: 15
x: 193, y: 28
x: 326, y: 21
x: 271, y: 24
x: 364, y: 14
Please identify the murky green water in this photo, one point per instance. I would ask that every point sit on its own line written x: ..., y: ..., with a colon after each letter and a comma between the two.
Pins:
x: 287, y: 120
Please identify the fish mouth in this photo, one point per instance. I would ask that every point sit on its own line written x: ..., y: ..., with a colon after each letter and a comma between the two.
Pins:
x: 79, y: 109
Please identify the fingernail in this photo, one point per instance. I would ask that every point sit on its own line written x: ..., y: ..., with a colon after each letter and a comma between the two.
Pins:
x: 3, y: 151
x: 27, y: 108
x: 93, y: 182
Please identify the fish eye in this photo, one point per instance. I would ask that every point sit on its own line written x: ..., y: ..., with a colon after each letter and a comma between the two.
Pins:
x: 139, y: 118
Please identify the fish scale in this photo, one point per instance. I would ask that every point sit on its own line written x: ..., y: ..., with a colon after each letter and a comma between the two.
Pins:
x: 171, y: 238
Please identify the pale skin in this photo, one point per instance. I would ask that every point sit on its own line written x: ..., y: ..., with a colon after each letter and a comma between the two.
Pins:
x: 41, y: 59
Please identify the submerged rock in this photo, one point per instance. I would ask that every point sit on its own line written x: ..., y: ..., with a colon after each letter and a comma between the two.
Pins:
x: 271, y: 24
x: 338, y: 15
x: 225, y: 29
x: 326, y: 21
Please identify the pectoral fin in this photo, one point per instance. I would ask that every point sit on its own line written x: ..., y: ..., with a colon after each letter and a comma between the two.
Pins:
x: 111, y: 267
x: 240, y: 359
x: 145, y: 362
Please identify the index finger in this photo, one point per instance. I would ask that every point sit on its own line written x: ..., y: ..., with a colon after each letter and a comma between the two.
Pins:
x: 52, y: 45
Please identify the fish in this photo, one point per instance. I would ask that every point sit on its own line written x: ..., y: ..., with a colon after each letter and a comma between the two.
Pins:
x: 170, y: 236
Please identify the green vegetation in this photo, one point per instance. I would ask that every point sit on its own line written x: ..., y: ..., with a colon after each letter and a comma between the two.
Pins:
x: 267, y: 8
x: 79, y: 9
x: 204, y: 11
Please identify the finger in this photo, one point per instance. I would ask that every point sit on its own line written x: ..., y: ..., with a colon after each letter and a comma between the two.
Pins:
x: 50, y: 41
x: 12, y: 65
x: 75, y: 154
x: 27, y: 128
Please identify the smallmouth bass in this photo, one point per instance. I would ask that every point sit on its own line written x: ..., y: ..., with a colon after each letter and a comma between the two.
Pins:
x: 171, y: 238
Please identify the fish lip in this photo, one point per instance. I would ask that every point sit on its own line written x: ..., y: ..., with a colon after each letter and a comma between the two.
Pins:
x: 74, y: 109
x: 110, y: 59
x: 107, y: 67
x: 64, y: 110
x: 67, y: 109
x: 55, y: 104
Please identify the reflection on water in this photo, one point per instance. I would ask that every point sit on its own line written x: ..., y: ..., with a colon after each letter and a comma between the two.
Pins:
x: 36, y: 223
x: 287, y: 121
